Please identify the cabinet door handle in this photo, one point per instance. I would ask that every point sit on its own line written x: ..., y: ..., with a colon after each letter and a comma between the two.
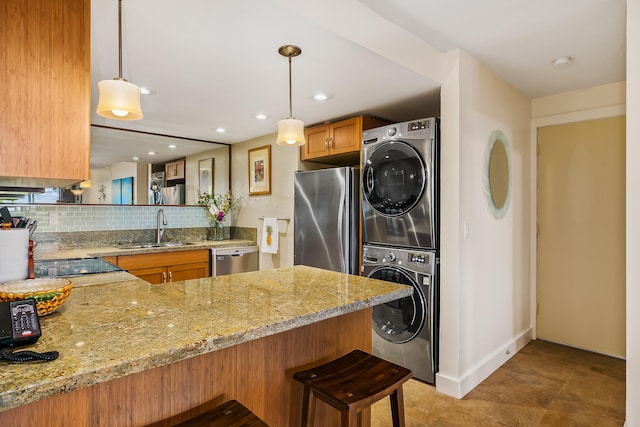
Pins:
x: 326, y: 143
x: 170, y: 276
x: 164, y: 277
x: 332, y: 142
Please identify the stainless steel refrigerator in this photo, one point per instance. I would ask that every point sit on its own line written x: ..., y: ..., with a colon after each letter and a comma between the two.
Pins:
x: 326, y: 219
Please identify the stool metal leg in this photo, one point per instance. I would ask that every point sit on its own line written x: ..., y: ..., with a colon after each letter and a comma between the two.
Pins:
x: 397, y: 407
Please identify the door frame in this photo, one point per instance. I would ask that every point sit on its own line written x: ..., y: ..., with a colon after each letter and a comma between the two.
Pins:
x: 552, y: 120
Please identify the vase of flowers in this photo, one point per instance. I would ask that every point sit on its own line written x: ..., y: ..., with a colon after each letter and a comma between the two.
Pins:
x: 219, y: 208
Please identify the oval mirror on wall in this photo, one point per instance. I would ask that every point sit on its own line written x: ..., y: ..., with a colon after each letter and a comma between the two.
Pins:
x: 497, y: 174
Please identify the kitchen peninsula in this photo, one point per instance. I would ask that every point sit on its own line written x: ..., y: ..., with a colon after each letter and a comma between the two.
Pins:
x: 133, y: 354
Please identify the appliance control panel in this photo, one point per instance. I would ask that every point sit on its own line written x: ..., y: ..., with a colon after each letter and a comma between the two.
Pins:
x: 411, y: 259
x: 422, y: 124
x: 415, y: 129
x: 418, y: 129
x: 419, y: 258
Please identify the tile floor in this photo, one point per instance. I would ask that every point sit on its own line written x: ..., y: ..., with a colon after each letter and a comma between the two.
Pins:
x: 545, y: 384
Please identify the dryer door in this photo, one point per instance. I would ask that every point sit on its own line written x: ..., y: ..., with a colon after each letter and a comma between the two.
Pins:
x: 393, y: 178
x: 401, y: 320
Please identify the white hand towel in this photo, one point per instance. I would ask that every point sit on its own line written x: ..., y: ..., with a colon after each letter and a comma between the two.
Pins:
x: 270, y: 245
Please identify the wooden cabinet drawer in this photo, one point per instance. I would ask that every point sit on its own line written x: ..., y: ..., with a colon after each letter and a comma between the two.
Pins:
x: 155, y: 276
x: 163, y: 259
x: 188, y: 271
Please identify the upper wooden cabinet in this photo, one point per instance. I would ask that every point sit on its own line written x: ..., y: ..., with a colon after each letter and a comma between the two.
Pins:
x: 339, y: 142
x: 175, y: 170
x: 45, y: 92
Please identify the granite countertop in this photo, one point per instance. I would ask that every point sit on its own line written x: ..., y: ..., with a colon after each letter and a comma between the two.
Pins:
x: 110, y: 330
x: 117, y: 250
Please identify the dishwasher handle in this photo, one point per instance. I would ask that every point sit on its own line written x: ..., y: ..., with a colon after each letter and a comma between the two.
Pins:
x: 235, y: 251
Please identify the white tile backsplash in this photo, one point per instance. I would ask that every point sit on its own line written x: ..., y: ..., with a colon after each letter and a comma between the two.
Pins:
x: 99, y: 218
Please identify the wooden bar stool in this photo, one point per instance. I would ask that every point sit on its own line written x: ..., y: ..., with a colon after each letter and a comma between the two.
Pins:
x: 351, y: 383
x: 229, y: 414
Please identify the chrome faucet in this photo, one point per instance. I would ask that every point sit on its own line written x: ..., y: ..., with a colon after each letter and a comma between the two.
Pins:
x: 160, y: 231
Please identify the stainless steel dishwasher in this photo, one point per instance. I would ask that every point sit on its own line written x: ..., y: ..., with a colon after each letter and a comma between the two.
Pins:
x: 233, y: 260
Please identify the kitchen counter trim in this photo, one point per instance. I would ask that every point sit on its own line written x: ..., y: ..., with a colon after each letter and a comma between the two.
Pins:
x: 19, y: 388
x: 114, y: 250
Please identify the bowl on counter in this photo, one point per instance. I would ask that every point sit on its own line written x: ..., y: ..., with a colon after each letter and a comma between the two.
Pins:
x: 49, y: 294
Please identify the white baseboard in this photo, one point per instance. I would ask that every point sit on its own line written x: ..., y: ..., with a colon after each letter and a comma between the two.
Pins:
x: 459, y: 387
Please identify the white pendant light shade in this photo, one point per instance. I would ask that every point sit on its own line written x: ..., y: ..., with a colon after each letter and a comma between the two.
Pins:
x: 290, y: 132
x: 119, y: 100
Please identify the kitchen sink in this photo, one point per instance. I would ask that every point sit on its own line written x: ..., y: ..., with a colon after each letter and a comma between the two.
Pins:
x: 174, y: 244
x: 153, y: 245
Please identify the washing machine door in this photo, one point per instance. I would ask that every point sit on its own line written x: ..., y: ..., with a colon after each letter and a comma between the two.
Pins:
x: 401, y: 320
x: 393, y: 178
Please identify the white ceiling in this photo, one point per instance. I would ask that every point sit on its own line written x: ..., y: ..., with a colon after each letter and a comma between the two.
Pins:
x: 214, y: 63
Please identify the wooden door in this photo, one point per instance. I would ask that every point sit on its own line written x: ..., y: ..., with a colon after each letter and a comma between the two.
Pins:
x: 581, y: 235
x: 155, y: 275
x: 317, y: 142
x: 171, y: 170
x: 188, y: 271
x: 346, y: 136
x: 179, y: 165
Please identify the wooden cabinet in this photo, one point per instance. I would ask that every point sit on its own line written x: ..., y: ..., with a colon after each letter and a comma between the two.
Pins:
x: 175, y: 170
x: 45, y: 92
x: 338, y: 142
x: 166, y: 266
x: 173, y: 273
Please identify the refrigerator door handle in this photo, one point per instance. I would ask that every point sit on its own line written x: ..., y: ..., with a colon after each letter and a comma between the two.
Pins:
x: 341, y: 229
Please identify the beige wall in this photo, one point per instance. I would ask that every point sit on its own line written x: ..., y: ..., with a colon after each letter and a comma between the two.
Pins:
x: 588, y: 104
x: 104, y: 176
x: 284, y: 162
x: 633, y: 213
x: 581, y: 235
x: 221, y: 173
x: 485, y: 288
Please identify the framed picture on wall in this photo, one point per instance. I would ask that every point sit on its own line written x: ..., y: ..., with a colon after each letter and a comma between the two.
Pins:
x: 127, y: 191
x: 116, y: 191
x: 205, y: 176
x: 260, y: 171
x: 122, y: 191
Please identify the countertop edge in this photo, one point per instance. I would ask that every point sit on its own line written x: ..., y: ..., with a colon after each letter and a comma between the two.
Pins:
x: 105, y: 251
x: 52, y: 387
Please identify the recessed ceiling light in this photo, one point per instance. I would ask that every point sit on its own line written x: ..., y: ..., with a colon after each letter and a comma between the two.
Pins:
x: 221, y: 130
x: 151, y: 153
x: 562, y: 61
x: 136, y: 158
x: 261, y: 116
x: 172, y: 146
x: 147, y: 91
x: 321, y: 96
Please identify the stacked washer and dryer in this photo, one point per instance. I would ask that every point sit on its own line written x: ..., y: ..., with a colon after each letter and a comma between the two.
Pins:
x: 400, y: 214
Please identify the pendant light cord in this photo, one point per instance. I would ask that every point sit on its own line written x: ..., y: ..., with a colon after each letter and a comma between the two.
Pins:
x: 290, y: 92
x: 120, y: 39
